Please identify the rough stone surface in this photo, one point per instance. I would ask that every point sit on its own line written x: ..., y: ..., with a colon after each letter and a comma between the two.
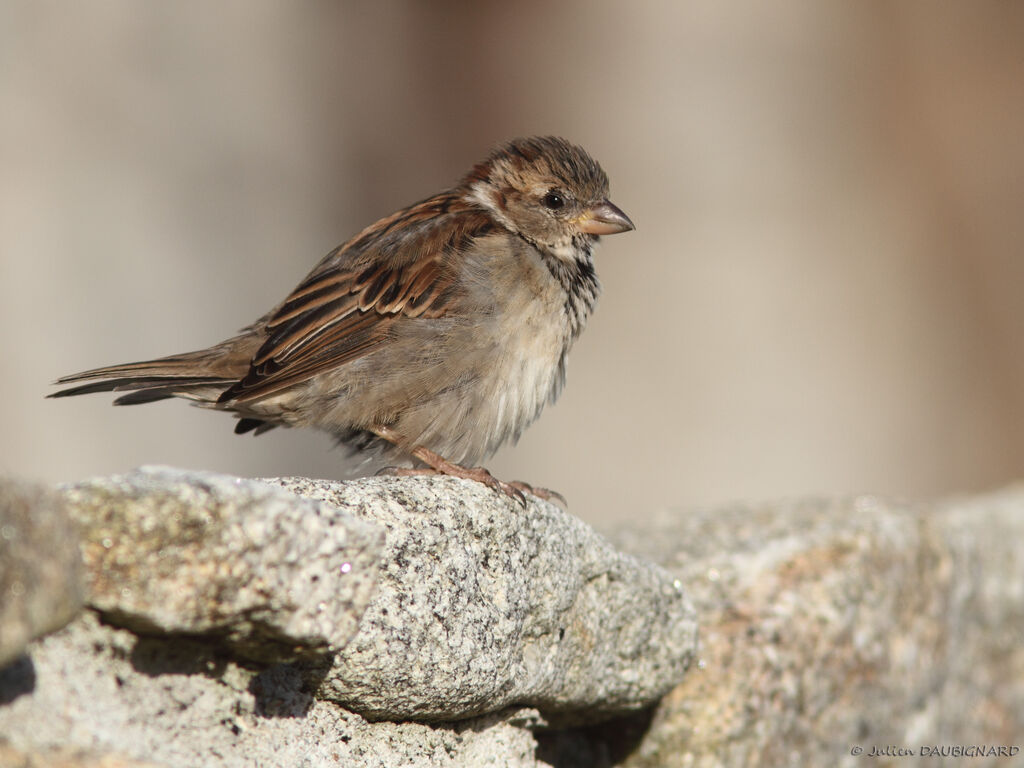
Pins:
x: 41, y: 582
x: 483, y: 604
x: 178, y: 703
x: 66, y: 758
x: 828, y: 627
x: 169, y: 551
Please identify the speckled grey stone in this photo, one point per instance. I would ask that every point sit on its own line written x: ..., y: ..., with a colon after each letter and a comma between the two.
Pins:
x: 483, y: 604
x: 831, y: 626
x: 826, y: 626
x: 179, y: 703
x: 274, y: 576
x: 41, y: 581
x: 62, y: 757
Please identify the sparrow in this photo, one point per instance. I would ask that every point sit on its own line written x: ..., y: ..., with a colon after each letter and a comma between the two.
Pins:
x: 430, y: 338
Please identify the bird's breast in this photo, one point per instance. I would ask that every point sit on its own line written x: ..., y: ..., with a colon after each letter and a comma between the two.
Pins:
x: 531, y: 330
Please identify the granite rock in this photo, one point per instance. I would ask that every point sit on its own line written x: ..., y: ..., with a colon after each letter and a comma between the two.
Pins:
x: 41, y: 581
x: 62, y: 757
x: 829, y: 627
x: 194, y: 553
x: 177, y: 702
x: 483, y: 604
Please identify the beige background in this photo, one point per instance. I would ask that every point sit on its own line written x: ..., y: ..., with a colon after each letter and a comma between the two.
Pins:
x: 823, y: 294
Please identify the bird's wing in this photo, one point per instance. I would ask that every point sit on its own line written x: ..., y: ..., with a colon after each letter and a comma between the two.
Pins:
x: 396, y: 269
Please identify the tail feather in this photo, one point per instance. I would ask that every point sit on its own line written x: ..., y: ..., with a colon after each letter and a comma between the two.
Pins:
x: 200, y: 376
x: 191, y: 365
x: 152, y: 395
x: 169, y: 386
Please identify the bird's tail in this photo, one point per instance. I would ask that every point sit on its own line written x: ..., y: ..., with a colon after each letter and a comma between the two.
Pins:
x: 200, y: 376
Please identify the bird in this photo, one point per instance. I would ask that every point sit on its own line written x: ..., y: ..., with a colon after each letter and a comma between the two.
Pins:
x: 430, y: 338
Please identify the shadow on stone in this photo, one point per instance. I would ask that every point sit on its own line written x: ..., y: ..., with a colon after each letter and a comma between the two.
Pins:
x: 176, y: 655
x: 282, y: 691
x: 17, y: 679
x: 602, y: 745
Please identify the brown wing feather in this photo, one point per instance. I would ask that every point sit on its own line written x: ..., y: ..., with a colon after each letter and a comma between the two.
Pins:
x: 394, y: 270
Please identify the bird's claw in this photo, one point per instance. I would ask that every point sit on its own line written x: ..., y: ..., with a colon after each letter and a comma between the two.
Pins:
x: 510, y: 490
x: 541, y: 493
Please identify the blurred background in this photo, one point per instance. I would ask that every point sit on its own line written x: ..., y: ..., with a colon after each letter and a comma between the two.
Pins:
x: 823, y: 293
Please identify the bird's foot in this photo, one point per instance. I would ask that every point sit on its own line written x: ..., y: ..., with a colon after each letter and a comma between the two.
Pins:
x: 541, y: 493
x: 512, y: 490
x: 438, y: 465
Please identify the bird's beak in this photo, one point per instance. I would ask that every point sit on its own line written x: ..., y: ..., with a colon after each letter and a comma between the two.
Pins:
x: 604, y: 219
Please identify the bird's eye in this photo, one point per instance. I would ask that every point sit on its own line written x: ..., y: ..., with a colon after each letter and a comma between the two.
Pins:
x: 553, y: 201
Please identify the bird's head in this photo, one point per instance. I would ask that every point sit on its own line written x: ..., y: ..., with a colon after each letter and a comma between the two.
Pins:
x: 549, y: 192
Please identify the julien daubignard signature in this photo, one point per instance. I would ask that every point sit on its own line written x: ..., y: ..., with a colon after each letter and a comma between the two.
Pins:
x: 937, y: 750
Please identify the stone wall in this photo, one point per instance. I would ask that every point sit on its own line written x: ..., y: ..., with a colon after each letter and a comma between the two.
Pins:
x: 428, y: 621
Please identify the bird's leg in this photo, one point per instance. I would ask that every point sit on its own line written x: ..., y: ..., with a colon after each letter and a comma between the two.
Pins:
x: 438, y: 465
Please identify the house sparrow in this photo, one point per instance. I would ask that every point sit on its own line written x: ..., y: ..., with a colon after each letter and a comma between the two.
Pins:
x: 435, y: 334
